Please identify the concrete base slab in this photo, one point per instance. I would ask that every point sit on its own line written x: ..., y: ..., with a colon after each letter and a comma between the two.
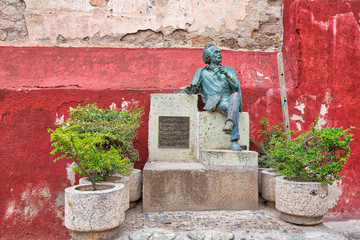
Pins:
x: 229, y: 157
x: 169, y: 186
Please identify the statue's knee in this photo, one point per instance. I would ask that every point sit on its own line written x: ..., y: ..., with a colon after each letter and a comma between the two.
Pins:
x: 235, y: 95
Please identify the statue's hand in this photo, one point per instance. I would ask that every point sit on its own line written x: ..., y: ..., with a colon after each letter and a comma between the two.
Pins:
x: 223, y: 71
x: 229, y: 78
x: 188, y: 90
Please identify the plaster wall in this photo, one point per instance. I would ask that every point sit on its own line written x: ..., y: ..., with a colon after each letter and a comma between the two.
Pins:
x: 240, y: 24
x: 321, y: 49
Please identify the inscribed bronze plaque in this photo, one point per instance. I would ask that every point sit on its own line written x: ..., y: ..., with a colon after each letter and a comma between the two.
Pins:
x: 174, y: 132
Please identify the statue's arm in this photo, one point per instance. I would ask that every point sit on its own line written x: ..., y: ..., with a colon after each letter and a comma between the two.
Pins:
x: 234, y: 83
x: 194, y: 87
x: 188, y: 90
x: 232, y: 79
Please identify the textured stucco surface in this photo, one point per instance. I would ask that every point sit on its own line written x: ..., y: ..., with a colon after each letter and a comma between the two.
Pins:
x: 241, y: 24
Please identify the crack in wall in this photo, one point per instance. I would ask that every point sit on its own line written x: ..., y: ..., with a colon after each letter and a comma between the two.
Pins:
x: 58, y: 86
x: 299, y: 44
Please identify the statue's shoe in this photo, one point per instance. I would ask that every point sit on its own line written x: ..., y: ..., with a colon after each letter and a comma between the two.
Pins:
x: 235, y: 146
x: 228, y: 128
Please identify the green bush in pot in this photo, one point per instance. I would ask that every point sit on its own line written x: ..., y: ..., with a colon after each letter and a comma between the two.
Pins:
x: 99, y: 141
x: 267, y: 135
x: 317, y: 155
x: 308, y: 162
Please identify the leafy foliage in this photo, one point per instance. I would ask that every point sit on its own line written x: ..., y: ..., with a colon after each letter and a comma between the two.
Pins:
x: 99, y: 141
x: 317, y: 155
x: 267, y: 134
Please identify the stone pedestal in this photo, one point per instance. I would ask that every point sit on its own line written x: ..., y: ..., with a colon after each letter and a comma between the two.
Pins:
x: 200, y: 173
x: 211, y: 135
x: 170, y: 186
x: 228, y: 157
x: 172, y: 105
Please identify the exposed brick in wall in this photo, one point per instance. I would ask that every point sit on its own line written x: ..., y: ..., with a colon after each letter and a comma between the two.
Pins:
x: 12, y: 21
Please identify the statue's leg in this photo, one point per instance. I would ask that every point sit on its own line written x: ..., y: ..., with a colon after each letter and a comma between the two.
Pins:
x: 233, y: 116
x: 231, y: 109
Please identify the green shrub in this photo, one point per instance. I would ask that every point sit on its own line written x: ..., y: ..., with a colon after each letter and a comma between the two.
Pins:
x: 99, y: 141
x: 317, y: 155
x: 266, y: 135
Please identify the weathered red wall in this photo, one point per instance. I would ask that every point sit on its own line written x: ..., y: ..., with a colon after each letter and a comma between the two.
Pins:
x: 325, y: 38
x: 322, y: 59
x: 40, y: 84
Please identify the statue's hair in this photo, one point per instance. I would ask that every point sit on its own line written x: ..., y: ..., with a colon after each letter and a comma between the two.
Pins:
x: 207, y: 53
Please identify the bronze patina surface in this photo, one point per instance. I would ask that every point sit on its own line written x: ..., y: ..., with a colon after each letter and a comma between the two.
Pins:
x: 220, y: 91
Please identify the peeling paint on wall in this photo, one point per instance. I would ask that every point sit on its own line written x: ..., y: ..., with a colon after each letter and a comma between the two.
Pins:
x: 112, y: 106
x: 243, y: 24
x: 334, y: 193
x: 323, y: 112
x: 59, y: 120
x: 299, y: 119
x: 10, y: 209
x: 25, y: 208
x: 125, y: 105
x: 70, y: 173
x: 300, y: 106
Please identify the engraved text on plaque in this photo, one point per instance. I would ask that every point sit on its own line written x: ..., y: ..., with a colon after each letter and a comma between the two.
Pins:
x: 174, y: 132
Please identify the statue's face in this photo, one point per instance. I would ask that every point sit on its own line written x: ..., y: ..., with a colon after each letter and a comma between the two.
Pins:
x: 215, y: 55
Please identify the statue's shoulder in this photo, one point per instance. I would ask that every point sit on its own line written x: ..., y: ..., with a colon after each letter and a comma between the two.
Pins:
x: 229, y: 68
x: 199, y: 71
x: 196, y: 77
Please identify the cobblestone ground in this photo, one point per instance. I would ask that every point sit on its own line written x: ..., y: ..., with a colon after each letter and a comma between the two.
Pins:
x: 218, y: 225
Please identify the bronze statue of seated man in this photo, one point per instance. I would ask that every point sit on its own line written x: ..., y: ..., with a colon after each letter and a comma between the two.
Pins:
x: 220, y: 91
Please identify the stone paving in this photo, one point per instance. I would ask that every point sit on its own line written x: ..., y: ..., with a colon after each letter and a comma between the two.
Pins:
x: 219, y: 225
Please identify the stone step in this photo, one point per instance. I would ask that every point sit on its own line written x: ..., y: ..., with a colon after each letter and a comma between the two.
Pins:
x: 170, y: 186
x: 229, y: 157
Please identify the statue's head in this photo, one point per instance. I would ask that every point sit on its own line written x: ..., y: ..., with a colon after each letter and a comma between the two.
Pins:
x: 211, y: 53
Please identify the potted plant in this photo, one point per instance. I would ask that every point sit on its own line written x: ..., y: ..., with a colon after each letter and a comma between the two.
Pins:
x: 267, y: 175
x: 308, y: 163
x: 99, y: 142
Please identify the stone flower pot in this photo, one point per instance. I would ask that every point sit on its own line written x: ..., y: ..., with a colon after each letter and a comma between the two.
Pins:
x: 93, y: 212
x: 268, y: 186
x: 303, y: 203
x: 135, y: 185
x: 260, y: 169
x: 116, y: 179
